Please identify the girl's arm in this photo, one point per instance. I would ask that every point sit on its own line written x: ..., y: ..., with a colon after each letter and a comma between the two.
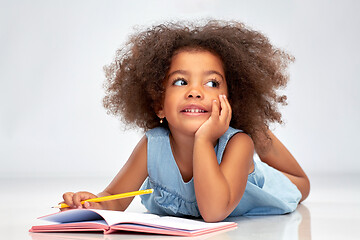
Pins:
x: 129, y: 179
x: 281, y: 159
x: 219, y: 188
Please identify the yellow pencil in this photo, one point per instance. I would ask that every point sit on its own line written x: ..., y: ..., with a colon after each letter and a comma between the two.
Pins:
x: 111, y: 197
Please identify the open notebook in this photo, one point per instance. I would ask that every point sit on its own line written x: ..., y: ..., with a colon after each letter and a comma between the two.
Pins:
x: 109, y: 221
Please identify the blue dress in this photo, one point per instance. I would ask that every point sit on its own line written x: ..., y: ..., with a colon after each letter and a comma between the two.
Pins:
x: 267, y: 191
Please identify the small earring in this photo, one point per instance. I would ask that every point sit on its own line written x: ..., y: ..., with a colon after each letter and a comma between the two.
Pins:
x: 161, y: 120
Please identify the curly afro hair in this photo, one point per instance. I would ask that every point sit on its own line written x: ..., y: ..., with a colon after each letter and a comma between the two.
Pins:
x: 254, y: 71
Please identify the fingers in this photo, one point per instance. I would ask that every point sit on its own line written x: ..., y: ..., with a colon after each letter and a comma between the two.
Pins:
x: 229, y: 115
x: 221, y: 110
x: 225, y: 113
x: 92, y: 205
x: 68, y: 199
x: 215, y: 108
x: 74, y: 199
x: 87, y: 205
x: 219, y: 120
x: 80, y: 196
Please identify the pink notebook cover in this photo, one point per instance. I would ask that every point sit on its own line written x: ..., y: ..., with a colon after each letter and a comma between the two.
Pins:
x: 80, y: 220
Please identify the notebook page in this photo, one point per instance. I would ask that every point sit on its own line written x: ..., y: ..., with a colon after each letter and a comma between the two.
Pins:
x: 183, y: 223
x: 111, y: 217
x: 75, y: 215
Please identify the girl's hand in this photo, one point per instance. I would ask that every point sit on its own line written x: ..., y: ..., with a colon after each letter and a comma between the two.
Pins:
x: 74, y: 200
x: 219, y: 121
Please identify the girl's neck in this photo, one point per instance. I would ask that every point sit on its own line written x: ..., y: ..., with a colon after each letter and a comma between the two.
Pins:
x: 182, y: 149
x: 182, y: 146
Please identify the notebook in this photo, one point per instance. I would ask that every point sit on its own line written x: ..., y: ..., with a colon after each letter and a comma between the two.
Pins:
x: 106, y: 221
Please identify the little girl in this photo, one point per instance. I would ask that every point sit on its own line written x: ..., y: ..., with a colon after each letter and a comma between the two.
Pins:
x: 206, y: 96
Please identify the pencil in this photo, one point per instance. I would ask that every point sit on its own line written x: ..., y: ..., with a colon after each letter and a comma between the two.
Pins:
x: 111, y: 197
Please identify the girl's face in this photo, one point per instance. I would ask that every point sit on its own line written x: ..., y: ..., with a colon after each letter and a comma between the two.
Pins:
x: 194, y: 80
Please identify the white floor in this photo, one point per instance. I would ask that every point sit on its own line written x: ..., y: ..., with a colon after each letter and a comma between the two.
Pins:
x: 331, y: 212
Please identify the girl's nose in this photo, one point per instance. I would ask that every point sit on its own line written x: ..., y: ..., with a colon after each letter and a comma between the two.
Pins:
x: 194, y: 93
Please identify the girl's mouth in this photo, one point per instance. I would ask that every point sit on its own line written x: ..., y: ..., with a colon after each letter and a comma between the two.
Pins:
x: 194, y: 110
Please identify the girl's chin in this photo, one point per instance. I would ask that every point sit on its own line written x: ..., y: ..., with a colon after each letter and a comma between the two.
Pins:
x: 193, y: 129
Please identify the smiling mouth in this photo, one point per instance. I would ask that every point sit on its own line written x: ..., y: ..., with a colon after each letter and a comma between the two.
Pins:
x: 194, y: 110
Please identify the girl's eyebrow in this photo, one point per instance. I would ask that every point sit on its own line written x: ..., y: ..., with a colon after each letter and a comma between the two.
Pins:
x: 206, y: 73
x: 183, y: 72
x: 214, y: 72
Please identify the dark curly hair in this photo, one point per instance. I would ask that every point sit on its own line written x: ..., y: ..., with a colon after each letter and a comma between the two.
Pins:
x: 254, y: 71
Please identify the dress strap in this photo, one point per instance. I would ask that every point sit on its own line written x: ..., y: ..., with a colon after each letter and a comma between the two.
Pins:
x: 223, y: 140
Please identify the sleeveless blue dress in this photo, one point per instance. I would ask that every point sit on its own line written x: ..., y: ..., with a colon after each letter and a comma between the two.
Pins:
x: 267, y: 191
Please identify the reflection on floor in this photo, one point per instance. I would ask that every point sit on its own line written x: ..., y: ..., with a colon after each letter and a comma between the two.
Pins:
x: 331, y: 212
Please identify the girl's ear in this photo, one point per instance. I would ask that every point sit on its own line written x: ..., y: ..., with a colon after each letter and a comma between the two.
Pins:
x: 160, y: 113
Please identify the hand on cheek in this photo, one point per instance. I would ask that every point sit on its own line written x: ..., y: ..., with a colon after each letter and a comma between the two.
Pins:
x: 219, y: 121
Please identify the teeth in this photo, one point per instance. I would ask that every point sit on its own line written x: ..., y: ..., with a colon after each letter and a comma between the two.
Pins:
x: 195, y: 110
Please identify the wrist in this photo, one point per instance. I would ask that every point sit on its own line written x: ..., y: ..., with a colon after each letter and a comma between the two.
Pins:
x: 205, y: 140
x: 106, y: 205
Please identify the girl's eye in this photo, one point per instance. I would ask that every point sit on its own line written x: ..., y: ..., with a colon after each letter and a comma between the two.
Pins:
x: 179, y: 82
x: 212, y: 83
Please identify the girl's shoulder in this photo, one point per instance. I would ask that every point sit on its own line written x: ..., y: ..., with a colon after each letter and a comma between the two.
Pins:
x: 232, y: 137
x: 232, y: 130
x: 235, y: 136
x: 229, y: 134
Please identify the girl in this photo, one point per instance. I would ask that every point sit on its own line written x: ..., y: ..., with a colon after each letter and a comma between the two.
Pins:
x: 206, y: 96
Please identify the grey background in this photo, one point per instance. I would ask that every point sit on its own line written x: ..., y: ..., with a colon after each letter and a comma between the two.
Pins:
x: 52, y: 122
